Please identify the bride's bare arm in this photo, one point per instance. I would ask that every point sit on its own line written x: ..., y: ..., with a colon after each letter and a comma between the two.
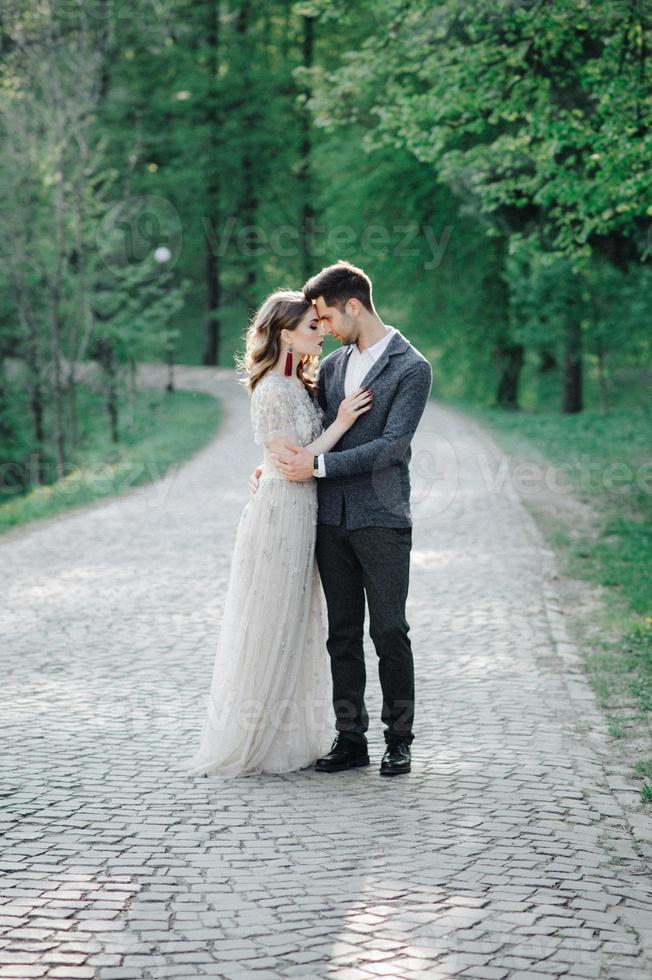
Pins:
x: 351, y: 408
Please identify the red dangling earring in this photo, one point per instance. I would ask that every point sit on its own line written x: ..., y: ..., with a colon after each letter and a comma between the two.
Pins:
x: 288, y: 362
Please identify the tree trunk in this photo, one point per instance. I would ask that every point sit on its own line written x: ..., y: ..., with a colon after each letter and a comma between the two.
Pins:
x: 211, y: 354
x: 79, y: 323
x: 572, y: 393
x: 57, y: 394
x: 602, y: 378
x: 132, y: 392
x: 304, y: 175
x: 56, y: 332
x: 36, y: 411
x: 547, y: 361
x: 35, y: 399
x: 33, y: 362
x: 510, y: 357
x: 249, y: 198
x: 7, y: 437
x: 71, y: 396
x: 105, y: 356
x: 509, y: 354
x: 213, y: 297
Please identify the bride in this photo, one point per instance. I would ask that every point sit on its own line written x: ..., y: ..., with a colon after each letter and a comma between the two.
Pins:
x: 269, y: 707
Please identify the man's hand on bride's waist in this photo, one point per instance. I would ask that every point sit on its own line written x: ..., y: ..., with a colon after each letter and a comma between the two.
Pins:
x: 254, y: 480
x: 295, y: 462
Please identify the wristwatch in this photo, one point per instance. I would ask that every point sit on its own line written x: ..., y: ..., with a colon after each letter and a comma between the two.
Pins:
x: 315, y: 465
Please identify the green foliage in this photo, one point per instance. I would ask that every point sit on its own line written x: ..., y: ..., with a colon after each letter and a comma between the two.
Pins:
x: 424, y: 257
x: 644, y: 770
x: 486, y: 163
x: 164, y: 430
x: 537, y: 118
x: 540, y: 113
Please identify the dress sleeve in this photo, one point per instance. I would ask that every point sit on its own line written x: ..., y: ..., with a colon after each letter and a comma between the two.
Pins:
x: 271, y: 413
x: 319, y: 411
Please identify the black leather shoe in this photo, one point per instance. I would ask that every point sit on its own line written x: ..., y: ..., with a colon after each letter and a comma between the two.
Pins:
x: 396, y: 758
x: 344, y: 754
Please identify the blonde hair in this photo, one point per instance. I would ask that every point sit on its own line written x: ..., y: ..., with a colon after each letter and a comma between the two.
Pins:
x: 282, y: 310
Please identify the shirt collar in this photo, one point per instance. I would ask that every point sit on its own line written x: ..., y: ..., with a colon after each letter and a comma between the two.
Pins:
x: 376, y: 349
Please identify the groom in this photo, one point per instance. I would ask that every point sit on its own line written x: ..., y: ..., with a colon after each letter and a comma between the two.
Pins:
x: 364, y: 525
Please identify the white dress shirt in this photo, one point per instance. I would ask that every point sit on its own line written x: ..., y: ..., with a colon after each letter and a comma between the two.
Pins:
x: 358, y: 366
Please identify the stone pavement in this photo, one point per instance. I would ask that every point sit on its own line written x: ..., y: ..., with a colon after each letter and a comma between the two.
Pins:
x: 509, y: 851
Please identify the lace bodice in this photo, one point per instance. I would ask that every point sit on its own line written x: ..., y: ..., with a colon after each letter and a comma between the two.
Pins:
x: 280, y: 407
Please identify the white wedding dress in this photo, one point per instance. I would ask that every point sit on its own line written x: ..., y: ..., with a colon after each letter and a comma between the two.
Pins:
x: 270, y: 705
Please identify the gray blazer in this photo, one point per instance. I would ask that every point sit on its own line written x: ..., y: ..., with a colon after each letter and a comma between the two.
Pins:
x: 368, y: 468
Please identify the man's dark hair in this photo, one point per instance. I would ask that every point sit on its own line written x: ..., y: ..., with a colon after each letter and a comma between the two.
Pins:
x: 339, y: 283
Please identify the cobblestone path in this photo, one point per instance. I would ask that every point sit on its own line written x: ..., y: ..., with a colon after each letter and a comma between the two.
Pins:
x: 510, y: 850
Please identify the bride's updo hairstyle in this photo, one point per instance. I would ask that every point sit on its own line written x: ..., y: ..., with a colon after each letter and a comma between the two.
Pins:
x: 282, y: 310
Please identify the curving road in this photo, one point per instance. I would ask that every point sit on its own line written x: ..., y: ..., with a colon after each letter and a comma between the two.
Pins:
x: 509, y: 851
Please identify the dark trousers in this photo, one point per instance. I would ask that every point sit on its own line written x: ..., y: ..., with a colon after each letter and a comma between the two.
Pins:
x: 375, y: 561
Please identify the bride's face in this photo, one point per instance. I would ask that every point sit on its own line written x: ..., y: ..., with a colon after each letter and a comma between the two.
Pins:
x: 308, y: 337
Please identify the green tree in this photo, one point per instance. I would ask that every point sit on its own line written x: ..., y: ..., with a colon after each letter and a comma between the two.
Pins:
x: 537, y: 114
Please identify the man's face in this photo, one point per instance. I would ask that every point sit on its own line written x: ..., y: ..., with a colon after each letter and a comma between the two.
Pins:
x: 336, y: 322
